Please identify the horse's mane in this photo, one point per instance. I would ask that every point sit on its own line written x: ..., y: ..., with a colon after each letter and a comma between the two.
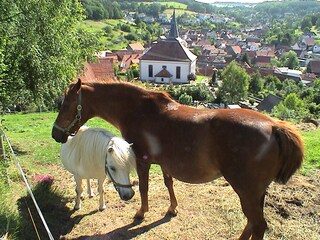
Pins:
x: 160, y: 94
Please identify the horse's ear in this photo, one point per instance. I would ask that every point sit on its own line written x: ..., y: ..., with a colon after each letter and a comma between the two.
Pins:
x: 78, y: 84
x: 110, y: 149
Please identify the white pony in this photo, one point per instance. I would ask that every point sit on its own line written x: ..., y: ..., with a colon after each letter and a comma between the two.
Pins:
x: 95, y: 152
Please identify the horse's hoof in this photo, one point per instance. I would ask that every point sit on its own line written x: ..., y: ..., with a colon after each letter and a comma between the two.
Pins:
x: 102, y: 208
x: 172, y: 213
x: 91, y: 195
x: 139, y: 216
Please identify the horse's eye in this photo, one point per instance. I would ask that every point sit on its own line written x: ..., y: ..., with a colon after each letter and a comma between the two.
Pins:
x: 113, y: 169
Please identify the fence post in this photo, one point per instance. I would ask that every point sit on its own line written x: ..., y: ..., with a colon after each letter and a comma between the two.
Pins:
x: 2, y: 150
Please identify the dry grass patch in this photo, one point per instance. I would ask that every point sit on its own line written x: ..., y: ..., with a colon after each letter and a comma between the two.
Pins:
x: 206, y: 211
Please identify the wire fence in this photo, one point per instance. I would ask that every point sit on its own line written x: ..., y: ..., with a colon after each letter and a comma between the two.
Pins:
x: 3, y: 154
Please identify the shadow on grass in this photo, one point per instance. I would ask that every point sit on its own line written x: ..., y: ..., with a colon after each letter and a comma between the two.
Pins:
x: 54, y: 209
x: 125, y: 232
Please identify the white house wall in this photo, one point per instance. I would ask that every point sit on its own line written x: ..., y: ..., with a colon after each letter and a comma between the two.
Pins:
x: 186, y: 69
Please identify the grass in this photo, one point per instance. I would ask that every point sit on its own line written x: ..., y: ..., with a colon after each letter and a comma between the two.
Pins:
x: 312, y: 149
x: 30, y: 137
x: 109, y: 41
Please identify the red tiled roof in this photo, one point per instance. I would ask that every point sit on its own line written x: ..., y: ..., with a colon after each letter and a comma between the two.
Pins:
x: 136, y: 46
x: 101, y: 70
x: 265, y: 53
x: 309, y: 41
x: 236, y: 49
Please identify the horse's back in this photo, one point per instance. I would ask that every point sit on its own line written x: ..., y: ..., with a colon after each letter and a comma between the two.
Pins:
x: 84, y: 154
x: 207, y: 144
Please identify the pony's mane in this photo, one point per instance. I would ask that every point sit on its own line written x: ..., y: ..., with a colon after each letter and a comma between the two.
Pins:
x: 122, y: 153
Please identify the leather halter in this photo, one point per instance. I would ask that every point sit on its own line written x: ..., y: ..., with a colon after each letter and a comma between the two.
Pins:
x: 77, y: 118
x: 115, y: 183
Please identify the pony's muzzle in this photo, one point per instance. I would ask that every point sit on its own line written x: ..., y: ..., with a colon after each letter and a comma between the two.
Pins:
x: 127, y: 194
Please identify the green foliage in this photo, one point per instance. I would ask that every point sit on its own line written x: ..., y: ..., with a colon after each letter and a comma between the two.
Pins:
x: 235, y: 83
x: 272, y: 83
x: 290, y: 60
x: 185, y: 99
x: 198, y: 92
x: 292, y: 108
x: 131, y: 37
x: 255, y: 85
x: 43, y: 50
x: 101, y: 9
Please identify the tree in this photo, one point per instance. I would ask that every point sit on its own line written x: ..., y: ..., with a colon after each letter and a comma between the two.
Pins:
x: 306, y: 22
x: 270, y: 81
x: 43, y: 49
x: 290, y: 60
x: 213, y: 81
x: 245, y: 59
x: 255, y: 85
x: 235, y: 83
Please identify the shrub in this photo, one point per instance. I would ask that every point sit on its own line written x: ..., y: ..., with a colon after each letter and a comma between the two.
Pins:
x: 185, y: 99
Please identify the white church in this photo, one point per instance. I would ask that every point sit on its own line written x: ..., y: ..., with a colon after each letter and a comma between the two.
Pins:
x: 168, y: 61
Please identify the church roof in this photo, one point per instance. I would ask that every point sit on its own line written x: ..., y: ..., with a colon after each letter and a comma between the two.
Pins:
x: 169, y: 50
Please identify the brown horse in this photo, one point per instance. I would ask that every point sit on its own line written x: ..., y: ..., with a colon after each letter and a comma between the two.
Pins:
x: 247, y: 148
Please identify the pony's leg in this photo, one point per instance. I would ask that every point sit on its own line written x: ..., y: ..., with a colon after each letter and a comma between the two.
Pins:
x: 89, y: 190
x: 102, y: 205
x: 252, y: 207
x: 143, y: 173
x: 79, y: 191
x: 173, y: 201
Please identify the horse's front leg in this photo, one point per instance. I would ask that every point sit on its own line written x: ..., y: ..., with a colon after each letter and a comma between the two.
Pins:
x: 172, y: 211
x: 102, y: 204
x: 79, y: 191
x: 143, y: 173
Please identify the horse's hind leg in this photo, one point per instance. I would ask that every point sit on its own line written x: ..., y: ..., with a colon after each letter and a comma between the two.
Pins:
x: 173, y: 201
x: 252, y: 207
x: 102, y: 205
x: 79, y: 191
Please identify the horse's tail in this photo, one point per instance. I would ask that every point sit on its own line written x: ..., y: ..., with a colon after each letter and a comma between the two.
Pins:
x: 291, y: 150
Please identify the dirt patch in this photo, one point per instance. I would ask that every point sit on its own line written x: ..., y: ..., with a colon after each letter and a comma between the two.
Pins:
x: 206, y: 211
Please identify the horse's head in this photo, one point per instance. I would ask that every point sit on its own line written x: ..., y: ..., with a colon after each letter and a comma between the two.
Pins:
x: 70, y: 117
x: 120, y: 161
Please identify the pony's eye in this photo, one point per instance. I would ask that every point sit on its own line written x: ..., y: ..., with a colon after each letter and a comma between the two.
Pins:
x: 113, y: 169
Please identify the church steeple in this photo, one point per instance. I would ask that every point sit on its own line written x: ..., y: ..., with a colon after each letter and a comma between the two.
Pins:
x: 174, y: 33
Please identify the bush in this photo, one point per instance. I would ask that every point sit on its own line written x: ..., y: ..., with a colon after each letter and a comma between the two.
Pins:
x: 131, y: 37
x: 185, y: 99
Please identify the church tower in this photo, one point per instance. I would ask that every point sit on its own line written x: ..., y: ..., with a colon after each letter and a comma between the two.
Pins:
x: 174, y: 33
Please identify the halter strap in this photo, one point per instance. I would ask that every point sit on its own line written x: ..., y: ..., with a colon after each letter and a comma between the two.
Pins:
x: 115, y: 183
x: 77, y: 118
